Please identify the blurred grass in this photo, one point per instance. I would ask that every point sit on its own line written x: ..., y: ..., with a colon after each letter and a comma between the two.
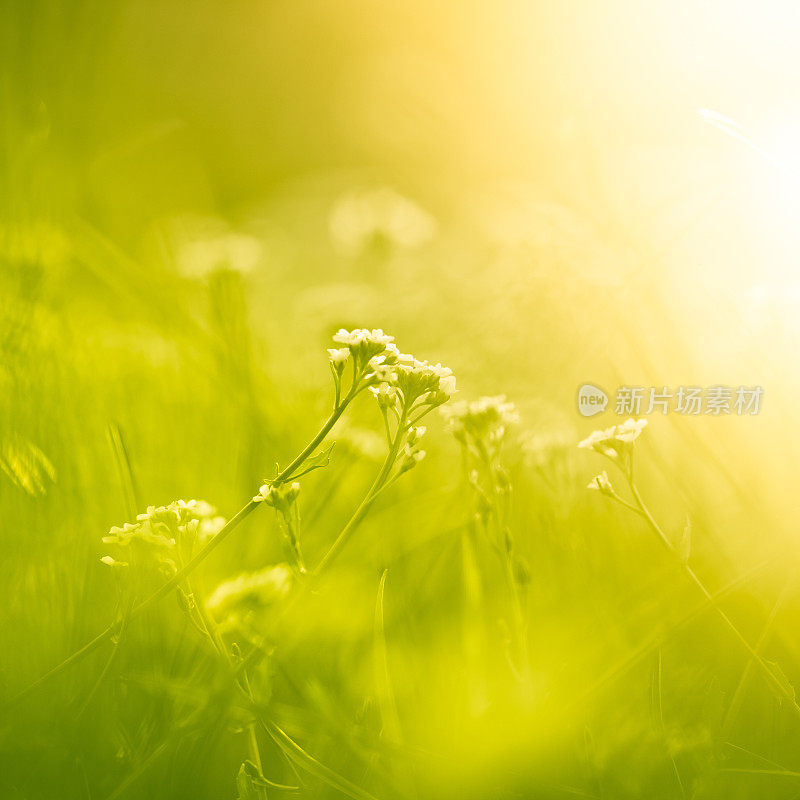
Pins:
x: 195, y: 195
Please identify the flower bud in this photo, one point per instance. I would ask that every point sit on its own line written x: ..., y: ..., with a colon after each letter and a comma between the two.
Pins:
x: 410, y: 459
x: 602, y: 484
x: 385, y: 395
x: 339, y: 358
x: 415, y: 434
x: 112, y: 562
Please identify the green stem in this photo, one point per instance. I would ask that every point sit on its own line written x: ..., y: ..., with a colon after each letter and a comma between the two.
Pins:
x: 316, y: 441
x: 504, y: 542
x: 625, y: 503
x: 368, y: 500
x: 244, y: 685
x: 770, y: 676
x: 191, y: 565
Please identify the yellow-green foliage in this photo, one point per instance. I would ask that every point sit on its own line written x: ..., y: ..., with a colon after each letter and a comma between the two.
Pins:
x: 389, y: 584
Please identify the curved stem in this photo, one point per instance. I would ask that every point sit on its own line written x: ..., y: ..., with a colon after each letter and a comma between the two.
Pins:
x: 216, y: 639
x: 770, y: 676
x: 191, y: 565
x: 502, y: 536
x: 368, y: 500
x: 337, y: 412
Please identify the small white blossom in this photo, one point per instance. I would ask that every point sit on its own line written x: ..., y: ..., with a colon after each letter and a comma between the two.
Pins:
x: 373, y: 350
x: 385, y: 394
x: 433, y: 384
x: 415, y: 434
x: 601, y: 483
x: 411, y: 457
x: 339, y: 358
x: 360, y: 336
x: 162, y: 526
x: 630, y: 430
x: 112, y: 562
x: 381, y: 363
x: 615, y: 440
x: 380, y: 370
x: 447, y: 385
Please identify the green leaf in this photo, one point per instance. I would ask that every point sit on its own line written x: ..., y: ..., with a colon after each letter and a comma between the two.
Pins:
x: 321, y: 459
x: 245, y: 784
x: 383, y: 680
x: 782, y: 687
x: 684, y: 546
x: 310, y: 764
x: 250, y: 779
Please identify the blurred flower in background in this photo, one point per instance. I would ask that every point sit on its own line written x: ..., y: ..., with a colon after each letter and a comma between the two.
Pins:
x: 369, y: 217
x: 203, y: 245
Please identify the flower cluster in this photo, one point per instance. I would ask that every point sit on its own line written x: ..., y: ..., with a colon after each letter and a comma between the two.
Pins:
x: 617, y: 441
x: 394, y: 377
x: 368, y: 348
x: 431, y: 384
x: 483, y: 420
x: 408, y: 380
x: 163, y: 528
x: 251, y: 591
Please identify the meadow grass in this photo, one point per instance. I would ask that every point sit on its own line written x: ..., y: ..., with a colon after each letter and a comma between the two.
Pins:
x: 194, y: 202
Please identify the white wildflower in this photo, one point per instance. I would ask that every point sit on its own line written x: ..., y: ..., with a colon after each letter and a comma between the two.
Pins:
x: 432, y: 384
x: 391, y: 373
x: 415, y: 434
x: 616, y: 440
x: 359, y: 336
x: 630, y: 430
x: 380, y: 370
x: 162, y: 526
x: 339, y: 358
x: 385, y: 394
x: 373, y: 350
x: 602, y: 484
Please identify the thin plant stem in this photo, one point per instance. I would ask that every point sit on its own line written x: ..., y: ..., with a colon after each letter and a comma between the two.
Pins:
x: 368, y: 500
x: 192, y: 564
x: 770, y: 676
x: 522, y: 669
x: 213, y: 634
